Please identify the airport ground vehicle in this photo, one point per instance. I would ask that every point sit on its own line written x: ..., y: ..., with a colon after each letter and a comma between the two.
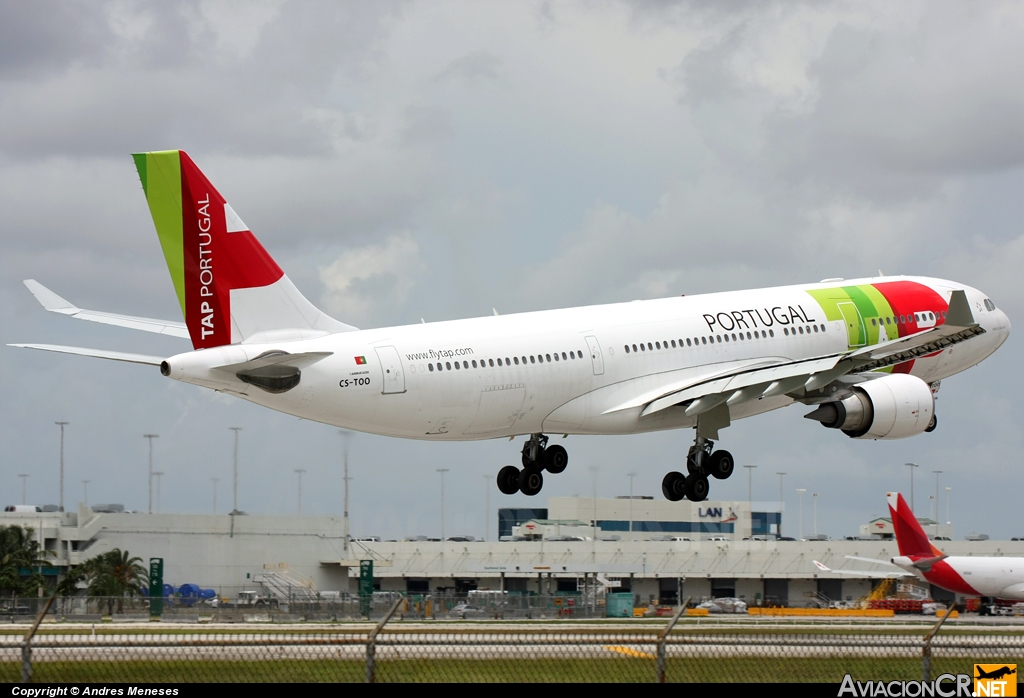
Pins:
x: 867, y: 355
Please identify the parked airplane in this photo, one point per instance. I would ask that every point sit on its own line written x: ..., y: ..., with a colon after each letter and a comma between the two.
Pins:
x: 867, y: 354
x: 998, y: 577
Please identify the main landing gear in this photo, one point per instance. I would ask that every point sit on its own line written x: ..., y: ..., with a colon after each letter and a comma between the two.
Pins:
x: 701, y: 461
x: 537, y: 457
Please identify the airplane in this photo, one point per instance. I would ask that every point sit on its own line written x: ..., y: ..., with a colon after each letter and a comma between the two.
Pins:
x: 868, y: 354
x: 997, y: 577
x: 995, y: 673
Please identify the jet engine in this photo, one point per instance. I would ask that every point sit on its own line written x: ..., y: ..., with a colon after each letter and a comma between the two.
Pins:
x: 892, y: 407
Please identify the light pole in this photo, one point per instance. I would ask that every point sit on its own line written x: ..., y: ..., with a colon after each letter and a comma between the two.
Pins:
x: 949, y: 492
x: 800, y: 492
x: 61, y: 425
x: 24, y: 479
x: 487, y: 509
x: 814, y: 496
x: 442, y: 471
x: 631, y: 476
x: 937, y: 473
x: 158, y: 474
x: 750, y: 484
x: 215, y: 481
x: 345, y: 435
x: 234, y: 483
x: 781, y: 504
x: 85, y: 492
x: 150, y: 437
x: 912, y: 466
x: 299, y: 472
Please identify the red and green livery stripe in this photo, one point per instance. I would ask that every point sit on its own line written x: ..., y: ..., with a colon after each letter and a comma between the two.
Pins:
x: 867, y: 311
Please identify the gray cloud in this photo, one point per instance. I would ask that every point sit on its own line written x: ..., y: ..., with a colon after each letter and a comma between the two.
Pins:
x: 630, y: 151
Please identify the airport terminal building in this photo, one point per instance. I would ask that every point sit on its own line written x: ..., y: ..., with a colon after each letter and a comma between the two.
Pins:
x: 661, y: 551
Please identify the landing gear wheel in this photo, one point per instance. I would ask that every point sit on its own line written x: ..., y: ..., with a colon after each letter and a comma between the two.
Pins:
x: 934, y: 422
x: 673, y: 486
x: 721, y: 465
x: 508, y: 479
x: 554, y: 459
x: 697, y: 488
x: 530, y: 481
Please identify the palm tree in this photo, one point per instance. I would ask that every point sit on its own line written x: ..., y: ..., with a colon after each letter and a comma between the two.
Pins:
x: 115, y: 574
x: 20, y: 552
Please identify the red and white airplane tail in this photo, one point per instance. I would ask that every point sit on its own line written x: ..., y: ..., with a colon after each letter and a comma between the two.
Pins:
x: 913, y: 542
x: 229, y: 287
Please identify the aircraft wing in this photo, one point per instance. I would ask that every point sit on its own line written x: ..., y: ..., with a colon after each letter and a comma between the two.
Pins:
x: 95, y: 353
x: 768, y: 379
x: 55, y: 304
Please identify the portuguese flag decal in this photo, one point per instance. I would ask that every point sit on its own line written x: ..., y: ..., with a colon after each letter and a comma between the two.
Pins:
x: 360, y: 360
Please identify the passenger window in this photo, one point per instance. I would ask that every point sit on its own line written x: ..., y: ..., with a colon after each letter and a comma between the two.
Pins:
x: 517, y: 360
x: 687, y: 341
x: 532, y: 361
x: 785, y: 331
x: 548, y: 357
x: 657, y: 345
x: 564, y: 357
x: 815, y: 328
x: 650, y: 346
x: 474, y: 363
x: 643, y: 347
x: 448, y: 365
x: 733, y: 336
x: 556, y: 356
x: 465, y: 364
x: 431, y: 367
x: 718, y: 337
x: 726, y: 338
x: 524, y: 361
x: 748, y: 336
x: 626, y: 348
x: 704, y: 340
x: 771, y: 333
x: 673, y: 344
x: 490, y: 362
x: 801, y: 329
x: 457, y: 367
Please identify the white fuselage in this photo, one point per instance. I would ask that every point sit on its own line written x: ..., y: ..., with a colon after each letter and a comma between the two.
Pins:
x: 420, y: 381
x: 998, y: 577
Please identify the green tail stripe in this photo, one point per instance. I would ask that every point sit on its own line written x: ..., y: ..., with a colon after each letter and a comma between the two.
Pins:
x: 160, y: 173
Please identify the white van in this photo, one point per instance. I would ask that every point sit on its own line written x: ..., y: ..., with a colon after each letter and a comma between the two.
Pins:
x: 23, y: 508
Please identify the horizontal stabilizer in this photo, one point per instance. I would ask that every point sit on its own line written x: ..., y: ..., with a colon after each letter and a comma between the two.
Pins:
x: 55, y: 304
x: 95, y: 353
x: 859, y: 573
x: 279, y: 359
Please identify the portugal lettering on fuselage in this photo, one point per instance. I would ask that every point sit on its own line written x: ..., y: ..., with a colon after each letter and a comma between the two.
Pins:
x: 756, y: 318
x: 205, y: 264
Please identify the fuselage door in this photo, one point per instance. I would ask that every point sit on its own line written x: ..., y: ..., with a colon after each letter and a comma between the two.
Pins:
x: 391, y: 370
x: 855, y: 327
x: 595, y: 355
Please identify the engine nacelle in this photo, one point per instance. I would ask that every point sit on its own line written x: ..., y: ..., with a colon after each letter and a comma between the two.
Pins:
x: 892, y: 407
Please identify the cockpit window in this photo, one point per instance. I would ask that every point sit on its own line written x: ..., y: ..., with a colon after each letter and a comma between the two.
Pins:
x: 989, y: 304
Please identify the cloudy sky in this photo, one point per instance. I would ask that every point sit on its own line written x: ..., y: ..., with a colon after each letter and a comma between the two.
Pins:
x: 437, y: 159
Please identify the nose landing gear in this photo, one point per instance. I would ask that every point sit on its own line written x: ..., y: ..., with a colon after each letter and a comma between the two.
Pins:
x: 537, y: 457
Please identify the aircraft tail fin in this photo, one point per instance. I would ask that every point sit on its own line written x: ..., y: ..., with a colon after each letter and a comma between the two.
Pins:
x: 229, y: 288
x: 910, y: 537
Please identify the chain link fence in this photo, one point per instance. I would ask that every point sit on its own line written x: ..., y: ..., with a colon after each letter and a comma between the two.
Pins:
x: 490, y: 652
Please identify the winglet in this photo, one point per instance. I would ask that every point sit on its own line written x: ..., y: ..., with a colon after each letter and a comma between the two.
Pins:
x: 821, y: 566
x: 48, y: 299
x: 959, y: 313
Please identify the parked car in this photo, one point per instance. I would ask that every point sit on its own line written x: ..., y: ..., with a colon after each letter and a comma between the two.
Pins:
x: 464, y: 609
